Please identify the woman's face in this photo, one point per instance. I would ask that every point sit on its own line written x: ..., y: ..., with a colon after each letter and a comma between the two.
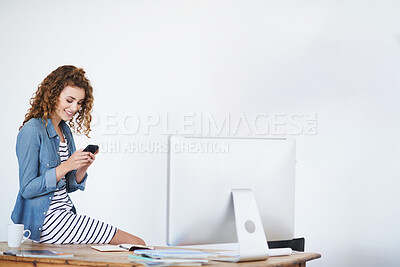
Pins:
x: 69, y: 102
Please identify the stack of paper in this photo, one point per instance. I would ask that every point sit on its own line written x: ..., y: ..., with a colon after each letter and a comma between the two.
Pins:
x: 166, y: 257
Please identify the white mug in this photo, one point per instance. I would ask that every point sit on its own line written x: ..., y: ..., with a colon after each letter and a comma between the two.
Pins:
x: 16, y: 235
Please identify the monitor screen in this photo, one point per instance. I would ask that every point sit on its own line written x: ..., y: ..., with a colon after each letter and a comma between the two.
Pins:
x: 202, y: 171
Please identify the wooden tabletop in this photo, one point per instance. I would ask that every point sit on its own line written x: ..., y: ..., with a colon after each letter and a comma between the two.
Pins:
x: 84, y: 255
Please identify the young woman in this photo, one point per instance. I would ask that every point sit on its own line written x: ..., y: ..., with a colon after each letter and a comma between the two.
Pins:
x: 50, y: 168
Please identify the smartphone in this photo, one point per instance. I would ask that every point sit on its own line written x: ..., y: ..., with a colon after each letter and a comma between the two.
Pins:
x: 91, y: 148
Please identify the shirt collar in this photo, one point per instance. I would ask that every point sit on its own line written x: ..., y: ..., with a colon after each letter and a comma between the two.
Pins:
x: 50, y: 128
x: 51, y: 131
x: 65, y: 129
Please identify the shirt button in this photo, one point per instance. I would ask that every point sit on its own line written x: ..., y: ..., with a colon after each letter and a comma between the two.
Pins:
x: 44, y: 213
x: 49, y: 197
x: 40, y: 228
x: 47, y: 165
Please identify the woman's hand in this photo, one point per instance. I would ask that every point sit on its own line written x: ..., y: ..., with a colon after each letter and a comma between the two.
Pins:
x: 91, y: 159
x: 80, y: 173
x: 79, y: 159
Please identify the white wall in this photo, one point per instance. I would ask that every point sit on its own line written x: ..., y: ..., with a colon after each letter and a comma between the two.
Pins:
x: 336, y: 59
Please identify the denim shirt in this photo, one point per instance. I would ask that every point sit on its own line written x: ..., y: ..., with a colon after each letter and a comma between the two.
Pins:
x: 38, y: 156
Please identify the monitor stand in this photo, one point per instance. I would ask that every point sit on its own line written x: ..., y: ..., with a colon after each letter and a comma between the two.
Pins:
x: 250, y: 233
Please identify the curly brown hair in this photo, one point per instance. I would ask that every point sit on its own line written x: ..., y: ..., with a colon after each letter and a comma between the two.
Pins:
x: 44, y: 101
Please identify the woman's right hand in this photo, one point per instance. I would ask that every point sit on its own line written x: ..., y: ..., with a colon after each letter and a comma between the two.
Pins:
x: 78, y: 159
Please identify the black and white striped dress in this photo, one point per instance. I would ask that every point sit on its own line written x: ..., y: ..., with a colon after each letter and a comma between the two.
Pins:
x: 62, y: 226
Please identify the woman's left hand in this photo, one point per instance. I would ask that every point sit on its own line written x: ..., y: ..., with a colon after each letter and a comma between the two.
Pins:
x: 91, y: 159
x: 80, y: 173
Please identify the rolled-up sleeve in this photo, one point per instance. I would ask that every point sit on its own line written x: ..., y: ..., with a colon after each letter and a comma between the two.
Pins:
x: 32, y: 184
x: 51, y: 179
x: 73, y: 185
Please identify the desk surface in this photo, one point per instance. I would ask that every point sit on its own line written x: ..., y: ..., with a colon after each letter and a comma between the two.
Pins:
x: 84, y: 255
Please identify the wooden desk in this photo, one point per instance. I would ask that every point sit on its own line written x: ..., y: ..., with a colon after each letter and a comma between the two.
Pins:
x: 84, y: 255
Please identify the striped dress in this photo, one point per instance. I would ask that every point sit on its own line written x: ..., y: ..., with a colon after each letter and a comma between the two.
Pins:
x: 62, y: 226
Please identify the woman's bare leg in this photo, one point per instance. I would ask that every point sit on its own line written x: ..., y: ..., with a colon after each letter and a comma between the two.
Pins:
x: 122, y: 237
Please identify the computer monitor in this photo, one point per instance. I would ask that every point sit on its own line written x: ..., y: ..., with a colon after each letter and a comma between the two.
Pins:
x: 202, y: 173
